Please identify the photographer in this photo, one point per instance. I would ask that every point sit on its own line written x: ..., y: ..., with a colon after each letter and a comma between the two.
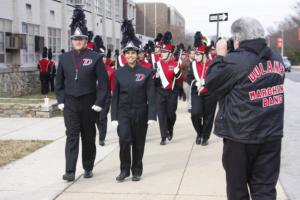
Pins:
x: 250, y: 117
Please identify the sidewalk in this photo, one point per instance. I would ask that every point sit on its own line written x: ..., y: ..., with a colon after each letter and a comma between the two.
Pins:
x: 38, y: 176
x: 180, y: 170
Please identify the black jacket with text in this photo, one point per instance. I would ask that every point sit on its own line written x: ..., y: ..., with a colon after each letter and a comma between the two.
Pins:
x: 133, y: 88
x: 250, y: 83
x: 91, y: 77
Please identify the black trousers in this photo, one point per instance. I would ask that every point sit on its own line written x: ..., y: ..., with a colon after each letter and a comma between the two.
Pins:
x: 166, y: 102
x: 52, y: 78
x: 203, y: 113
x: 132, y: 132
x: 251, y: 165
x: 79, y: 120
x: 44, y: 78
x: 102, y: 119
x: 181, y: 94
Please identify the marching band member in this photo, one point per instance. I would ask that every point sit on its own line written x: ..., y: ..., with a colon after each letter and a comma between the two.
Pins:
x: 81, y: 90
x: 133, y: 106
x: 167, y: 71
x: 43, y: 67
x: 203, y: 106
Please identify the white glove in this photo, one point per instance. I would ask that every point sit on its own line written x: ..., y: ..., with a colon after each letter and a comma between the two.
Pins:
x: 176, y: 70
x: 115, y: 123
x: 203, y: 81
x: 157, y: 73
x: 61, y: 106
x: 96, y: 108
x: 198, y: 84
x: 180, y: 61
x: 150, y: 122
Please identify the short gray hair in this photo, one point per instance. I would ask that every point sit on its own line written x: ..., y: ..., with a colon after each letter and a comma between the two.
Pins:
x: 247, y: 28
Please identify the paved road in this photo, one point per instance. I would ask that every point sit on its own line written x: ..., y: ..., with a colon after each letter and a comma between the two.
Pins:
x: 294, y: 75
x: 290, y: 165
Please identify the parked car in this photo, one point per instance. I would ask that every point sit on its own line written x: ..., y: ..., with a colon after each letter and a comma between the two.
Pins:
x: 287, y: 64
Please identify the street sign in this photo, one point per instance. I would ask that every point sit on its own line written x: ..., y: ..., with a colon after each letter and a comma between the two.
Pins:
x: 279, y: 42
x: 218, y: 17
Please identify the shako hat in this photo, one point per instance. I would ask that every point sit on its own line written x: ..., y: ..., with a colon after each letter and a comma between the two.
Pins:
x: 78, y: 25
x: 129, y: 39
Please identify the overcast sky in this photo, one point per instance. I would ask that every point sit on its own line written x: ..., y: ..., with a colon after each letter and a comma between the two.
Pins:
x: 196, y: 12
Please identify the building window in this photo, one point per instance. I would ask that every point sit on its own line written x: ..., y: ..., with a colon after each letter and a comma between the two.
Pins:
x: 54, y: 41
x: 52, y: 15
x: 30, y: 56
x: 88, y: 4
x: 109, y: 43
x: 70, y: 1
x: 99, y: 4
x: 118, y: 43
x: 108, y: 7
x: 2, y: 48
x: 28, y: 9
x: 118, y: 9
x: 69, y: 41
x: 5, y: 27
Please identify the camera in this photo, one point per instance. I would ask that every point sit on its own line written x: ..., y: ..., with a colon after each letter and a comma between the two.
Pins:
x: 230, y: 45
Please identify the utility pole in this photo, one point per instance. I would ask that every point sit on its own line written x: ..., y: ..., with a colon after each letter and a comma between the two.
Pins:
x: 282, y: 47
x: 218, y: 22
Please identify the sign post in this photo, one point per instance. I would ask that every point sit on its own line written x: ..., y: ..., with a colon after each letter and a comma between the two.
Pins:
x: 217, y: 17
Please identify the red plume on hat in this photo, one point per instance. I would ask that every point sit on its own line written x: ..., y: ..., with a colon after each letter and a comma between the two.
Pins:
x: 201, y: 49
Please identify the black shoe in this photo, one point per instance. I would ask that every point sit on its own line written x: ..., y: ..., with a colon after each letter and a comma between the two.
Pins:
x: 136, y: 178
x: 69, y: 176
x: 102, y: 142
x: 198, y: 140
x: 88, y: 174
x: 170, y: 136
x: 204, y: 142
x: 122, y: 176
x: 163, y: 141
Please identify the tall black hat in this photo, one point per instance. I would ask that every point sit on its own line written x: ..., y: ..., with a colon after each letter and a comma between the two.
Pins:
x: 198, y: 37
x: 108, y: 55
x: 167, y: 41
x: 45, y: 52
x: 117, y: 53
x: 78, y: 25
x: 151, y: 47
x: 50, y: 55
x: 99, y: 46
x: 90, y: 36
x: 129, y: 40
x: 158, y: 40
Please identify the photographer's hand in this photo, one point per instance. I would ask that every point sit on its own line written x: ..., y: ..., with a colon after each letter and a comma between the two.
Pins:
x: 221, y: 47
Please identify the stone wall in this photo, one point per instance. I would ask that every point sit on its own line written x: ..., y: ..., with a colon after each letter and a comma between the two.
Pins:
x: 11, y: 110
x: 19, y: 81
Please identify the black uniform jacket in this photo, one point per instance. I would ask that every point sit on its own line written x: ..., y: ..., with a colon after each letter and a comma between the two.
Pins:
x: 133, y: 87
x: 91, y: 70
x: 250, y: 82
